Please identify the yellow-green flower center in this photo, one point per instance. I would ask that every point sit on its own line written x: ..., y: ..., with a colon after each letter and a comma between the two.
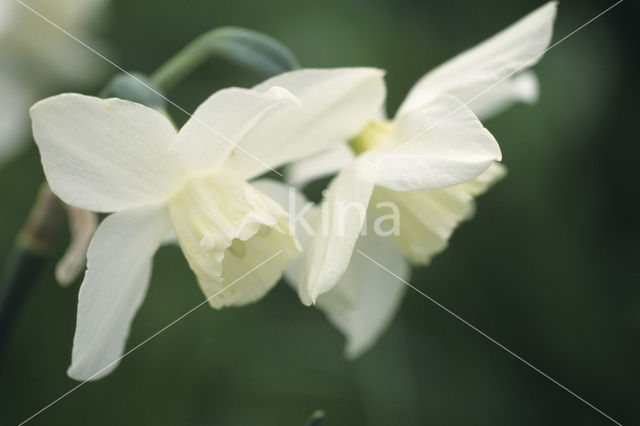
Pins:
x: 373, y: 136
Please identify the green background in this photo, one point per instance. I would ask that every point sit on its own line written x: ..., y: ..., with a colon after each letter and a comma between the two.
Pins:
x: 548, y: 267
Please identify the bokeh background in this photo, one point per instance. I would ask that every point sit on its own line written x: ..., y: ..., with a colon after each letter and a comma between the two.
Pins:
x: 548, y: 267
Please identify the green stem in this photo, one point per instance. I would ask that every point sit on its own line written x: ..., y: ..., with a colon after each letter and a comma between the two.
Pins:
x: 21, y: 272
x: 28, y: 257
x: 247, y: 48
x: 180, y: 65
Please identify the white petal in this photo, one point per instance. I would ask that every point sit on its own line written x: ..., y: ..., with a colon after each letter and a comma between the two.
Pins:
x: 343, y: 216
x: 522, y: 87
x: 236, y: 240
x: 439, y: 145
x: 212, y: 133
x: 429, y: 217
x: 104, y: 154
x: 472, y: 72
x: 119, y: 266
x: 318, y: 166
x: 365, y: 300
x: 335, y: 104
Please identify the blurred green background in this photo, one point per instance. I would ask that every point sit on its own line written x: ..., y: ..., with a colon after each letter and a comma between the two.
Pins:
x: 548, y: 267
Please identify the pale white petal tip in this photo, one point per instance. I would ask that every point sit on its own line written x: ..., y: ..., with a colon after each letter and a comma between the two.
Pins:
x: 497, y: 171
x: 377, y: 72
x: 83, y: 225
x: 86, y: 374
x: 310, y: 291
x: 528, y: 87
x: 324, y: 283
x: 549, y: 8
x: 68, y: 269
x: 352, y: 351
x: 304, y: 294
x: 368, y: 73
x: 280, y: 93
x: 498, y: 154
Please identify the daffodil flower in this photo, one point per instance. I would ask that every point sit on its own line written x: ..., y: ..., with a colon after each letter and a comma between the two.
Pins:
x: 430, y: 161
x: 111, y: 155
x: 35, y: 56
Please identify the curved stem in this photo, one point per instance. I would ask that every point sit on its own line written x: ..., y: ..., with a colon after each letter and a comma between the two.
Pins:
x: 251, y: 49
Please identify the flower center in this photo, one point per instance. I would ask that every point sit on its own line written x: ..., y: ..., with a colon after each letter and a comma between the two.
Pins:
x: 226, y: 229
x: 374, y: 135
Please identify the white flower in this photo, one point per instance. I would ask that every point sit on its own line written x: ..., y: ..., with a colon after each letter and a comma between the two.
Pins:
x: 430, y: 161
x: 117, y: 156
x: 35, y: 57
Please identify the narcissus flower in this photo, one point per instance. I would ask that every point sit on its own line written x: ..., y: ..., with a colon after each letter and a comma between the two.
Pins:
x: 430, y: 161
x: 111, y: 155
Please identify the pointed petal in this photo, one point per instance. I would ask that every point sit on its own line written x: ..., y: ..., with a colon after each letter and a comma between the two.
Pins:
x: 104, y: 154
x: 365, y: 300
x: 334, y: 105
x: 118, y: 272
x: 428, y: 218
x: 522, y: 87
x: 469, y: 74
x: 343, y: 216
x: 439, y: 145
x: 214, y: 130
